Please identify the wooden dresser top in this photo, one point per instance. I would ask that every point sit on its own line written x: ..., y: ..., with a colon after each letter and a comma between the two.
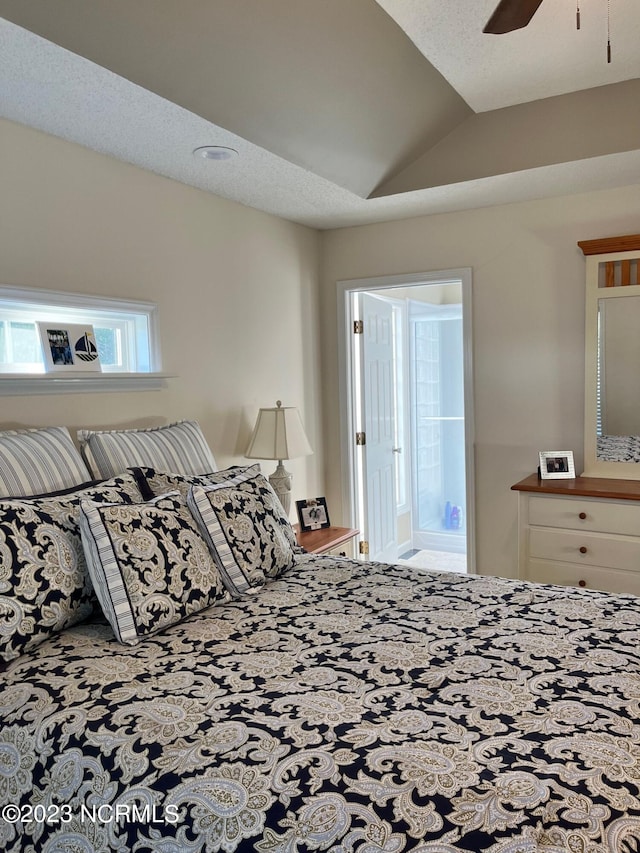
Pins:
x: 590, y: 487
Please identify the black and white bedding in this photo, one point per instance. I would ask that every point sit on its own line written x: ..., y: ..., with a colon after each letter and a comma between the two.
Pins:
x: 618, y: 448
x: 341, y: 706
x: 179, y: 678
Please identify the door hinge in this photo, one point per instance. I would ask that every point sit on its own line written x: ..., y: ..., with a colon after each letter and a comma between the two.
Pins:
x: 361, y: 439
x: 363, y: 547
x: 358, y: 327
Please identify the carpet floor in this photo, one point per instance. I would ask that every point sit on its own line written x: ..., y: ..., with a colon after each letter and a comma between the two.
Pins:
x: 443, y: 561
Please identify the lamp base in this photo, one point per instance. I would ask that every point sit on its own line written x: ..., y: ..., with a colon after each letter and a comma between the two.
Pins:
x: 281, y: 482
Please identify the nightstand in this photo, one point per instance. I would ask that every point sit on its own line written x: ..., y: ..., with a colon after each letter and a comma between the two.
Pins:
x: 327, y: 540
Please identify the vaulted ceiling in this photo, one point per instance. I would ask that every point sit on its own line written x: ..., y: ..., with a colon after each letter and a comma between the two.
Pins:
x: 342, y: 111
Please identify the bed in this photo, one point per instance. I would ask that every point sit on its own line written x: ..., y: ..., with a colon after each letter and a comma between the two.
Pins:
x: 618, y: 448
x: 333, y: 705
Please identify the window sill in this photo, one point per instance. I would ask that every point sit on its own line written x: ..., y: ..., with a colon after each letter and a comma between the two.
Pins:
x: 16, y: 384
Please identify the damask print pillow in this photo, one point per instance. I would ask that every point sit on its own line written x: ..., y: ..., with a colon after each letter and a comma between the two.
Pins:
x: 159, y: 482
x: 149, y: 564
x: 44, y: 583
x: 244, y: 478
x: 245, y: 528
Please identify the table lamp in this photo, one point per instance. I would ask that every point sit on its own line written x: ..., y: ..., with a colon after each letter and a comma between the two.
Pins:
x: 279, y: 434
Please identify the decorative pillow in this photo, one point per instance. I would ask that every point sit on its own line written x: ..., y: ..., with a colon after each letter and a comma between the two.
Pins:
x: 149, y: 565
x: 244, y: 525
x: 33, y: 461
x: 161, y: 482
x: 44, y: 583
x: 179, y: 447
x: 150, y: 480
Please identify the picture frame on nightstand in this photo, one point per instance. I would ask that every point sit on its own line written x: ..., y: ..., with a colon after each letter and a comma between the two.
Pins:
x: 313, y: 514
x: 557, y: 465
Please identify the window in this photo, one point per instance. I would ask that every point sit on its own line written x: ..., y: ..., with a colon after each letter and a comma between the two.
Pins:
x: 125, y: 331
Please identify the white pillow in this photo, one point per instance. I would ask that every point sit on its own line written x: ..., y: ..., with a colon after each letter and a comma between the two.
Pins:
x: 179, y: 447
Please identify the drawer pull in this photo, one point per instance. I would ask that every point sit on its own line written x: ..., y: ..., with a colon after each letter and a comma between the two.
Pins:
x: 583, y: 549
x: 582, y: 515
x: 582, y: 583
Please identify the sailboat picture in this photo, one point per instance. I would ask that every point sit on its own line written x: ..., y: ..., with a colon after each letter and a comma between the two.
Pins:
x: 85, y: 347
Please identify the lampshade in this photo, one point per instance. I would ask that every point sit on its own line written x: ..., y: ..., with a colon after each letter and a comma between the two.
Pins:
x: 278, y: 434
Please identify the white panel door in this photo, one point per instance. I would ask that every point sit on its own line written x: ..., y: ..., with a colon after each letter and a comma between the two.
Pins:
x: 379, y: 427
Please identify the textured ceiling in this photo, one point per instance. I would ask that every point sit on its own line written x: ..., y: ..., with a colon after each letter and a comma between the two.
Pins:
x: 549, y: 57
x: 343, y: 112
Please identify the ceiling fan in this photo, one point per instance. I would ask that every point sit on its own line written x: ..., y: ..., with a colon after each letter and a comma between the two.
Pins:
x: 511, y: 15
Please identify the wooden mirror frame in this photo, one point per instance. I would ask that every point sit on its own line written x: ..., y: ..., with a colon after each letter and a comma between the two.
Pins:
x: 614, y: 253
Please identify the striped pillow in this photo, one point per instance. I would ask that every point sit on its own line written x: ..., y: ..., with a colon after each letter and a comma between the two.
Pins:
x: 35, y: 461
x: 180, y: 448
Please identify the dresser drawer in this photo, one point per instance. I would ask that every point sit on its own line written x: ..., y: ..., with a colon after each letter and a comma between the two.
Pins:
x: 587, y: 577
x: 621, y: 517
x: 583, y: 532
x: 589, y: 549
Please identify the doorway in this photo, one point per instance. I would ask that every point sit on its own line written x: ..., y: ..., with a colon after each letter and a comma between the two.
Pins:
x: 408, y: 417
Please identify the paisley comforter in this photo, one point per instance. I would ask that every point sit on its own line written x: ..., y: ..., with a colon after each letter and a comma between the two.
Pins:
x: 618, y: 448
x: 343, y: 707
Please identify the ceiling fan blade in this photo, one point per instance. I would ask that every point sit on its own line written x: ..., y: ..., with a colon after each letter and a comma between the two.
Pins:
x: 511, y: 15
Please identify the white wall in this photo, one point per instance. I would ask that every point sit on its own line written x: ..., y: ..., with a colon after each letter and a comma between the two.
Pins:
x: 528, y: 313
x: 226, y: 276
x: 237, y: 292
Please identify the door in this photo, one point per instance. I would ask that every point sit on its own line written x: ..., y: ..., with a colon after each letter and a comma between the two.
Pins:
x: 377, y: 367
x: 377, y: 360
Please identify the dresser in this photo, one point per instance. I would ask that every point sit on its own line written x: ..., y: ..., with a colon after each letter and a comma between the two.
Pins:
x: 581, y: 532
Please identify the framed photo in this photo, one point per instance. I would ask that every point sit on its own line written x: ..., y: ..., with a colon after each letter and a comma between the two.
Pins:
x: 68, y: 348
x: 557, y: 465
x: 312, y: 514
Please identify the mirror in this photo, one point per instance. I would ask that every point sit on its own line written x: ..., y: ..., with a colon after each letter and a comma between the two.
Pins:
x: 612, y: 360
x: 618, y: 401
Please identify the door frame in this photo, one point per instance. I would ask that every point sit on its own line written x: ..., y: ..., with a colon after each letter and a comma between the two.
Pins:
x: 351, y: 498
